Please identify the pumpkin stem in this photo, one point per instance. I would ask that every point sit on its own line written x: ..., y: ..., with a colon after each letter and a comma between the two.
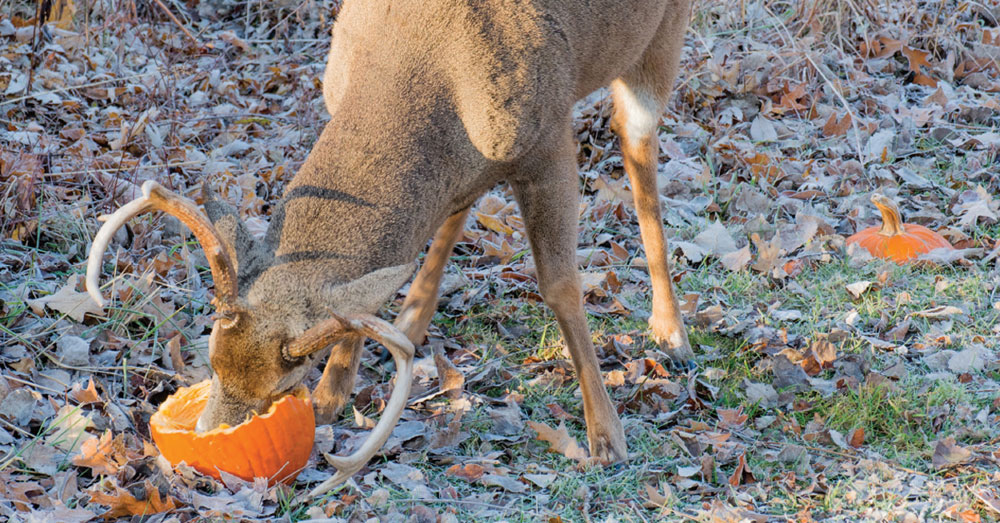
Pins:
x: 892, y: 223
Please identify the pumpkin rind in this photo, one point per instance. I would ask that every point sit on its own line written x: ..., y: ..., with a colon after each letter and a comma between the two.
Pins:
x: 900, y: 242
x: 275, y: 445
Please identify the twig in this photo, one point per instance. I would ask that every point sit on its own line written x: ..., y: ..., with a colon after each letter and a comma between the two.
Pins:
x: 151, y: 166
x: 72, y: 87
x: 178, y: 22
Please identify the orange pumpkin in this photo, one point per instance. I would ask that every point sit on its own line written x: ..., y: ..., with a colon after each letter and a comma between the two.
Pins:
x: 275, y: 445
x: 895, y: 240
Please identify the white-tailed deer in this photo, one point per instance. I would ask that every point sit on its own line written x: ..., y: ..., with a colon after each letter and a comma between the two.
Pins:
x: 432, y: 104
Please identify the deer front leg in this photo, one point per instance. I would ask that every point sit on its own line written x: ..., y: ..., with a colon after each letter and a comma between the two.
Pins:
x: 337, y: 383
x: 549, y: 203
x: 421, y: 301
x: 637, y: 112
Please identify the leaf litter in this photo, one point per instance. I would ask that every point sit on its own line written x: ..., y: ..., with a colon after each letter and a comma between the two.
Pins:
x: 779, y: 130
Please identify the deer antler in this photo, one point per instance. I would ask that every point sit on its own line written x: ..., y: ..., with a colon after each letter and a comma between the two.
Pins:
x: 156, y: 197
x: 402, y: 352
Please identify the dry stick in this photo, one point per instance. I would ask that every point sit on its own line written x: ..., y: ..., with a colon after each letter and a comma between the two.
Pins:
x: 151, y: 166
x: 178, y: 22
x: 70, y: 88
x: 35, y: 34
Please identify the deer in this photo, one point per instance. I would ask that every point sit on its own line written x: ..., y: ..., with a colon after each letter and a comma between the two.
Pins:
x: 432, y: 104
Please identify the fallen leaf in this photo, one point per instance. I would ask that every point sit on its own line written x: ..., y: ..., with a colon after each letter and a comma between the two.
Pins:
x: 559, y: 440
x: 762, y: 130
x: 715, y: 239
x: 68, y: 301
x: 856, y: 438
x: 494, y: 223
x: 732, y: 418
x: 85, y: 395
x: 768, y: 258
x: 941, y: 311
x: 742, y: 474
x: 653, y: 497
x: 469, y: 472
x: 451, y: 379
x: 948, y: 454
x: 505, y: 482
x: 858, y: 288
x: 141, y: 500
x: 737, y: 260
x: 990, y: 498
x: 99, y: 454
x: 69, y: 430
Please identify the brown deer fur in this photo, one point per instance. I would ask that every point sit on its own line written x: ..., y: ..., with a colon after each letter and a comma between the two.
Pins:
x: 432, y: 104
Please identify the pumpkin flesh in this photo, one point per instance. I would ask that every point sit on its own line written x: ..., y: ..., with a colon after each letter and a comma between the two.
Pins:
x: 275, y: 445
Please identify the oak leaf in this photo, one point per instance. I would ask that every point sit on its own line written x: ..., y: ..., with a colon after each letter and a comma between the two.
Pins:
x: 560, y: 440
x: 128, y: 503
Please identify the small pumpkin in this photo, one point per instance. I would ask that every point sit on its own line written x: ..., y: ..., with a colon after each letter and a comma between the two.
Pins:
x: 895, y: 240
x: 275, y: 445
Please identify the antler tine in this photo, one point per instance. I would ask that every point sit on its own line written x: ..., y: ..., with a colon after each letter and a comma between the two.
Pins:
x: 321, y: 335
x: 402, y: 352
x: 155, y: 196
x: 114, y: 222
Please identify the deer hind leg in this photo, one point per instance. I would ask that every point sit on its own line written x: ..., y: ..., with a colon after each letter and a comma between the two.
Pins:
x: 549, y: 203
x: 421, y: 301
x: 639, y: 99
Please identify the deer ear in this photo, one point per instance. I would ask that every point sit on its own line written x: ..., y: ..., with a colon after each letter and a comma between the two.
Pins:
x: 369, y: 292
x: 249, y: 255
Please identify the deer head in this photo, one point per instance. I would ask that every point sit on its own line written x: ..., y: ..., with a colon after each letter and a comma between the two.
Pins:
x: 273, y: 317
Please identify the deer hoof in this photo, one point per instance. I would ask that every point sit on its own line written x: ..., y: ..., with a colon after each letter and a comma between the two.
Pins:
x: 673, y: 340
x: 327, y: 408
x: 607, y: 443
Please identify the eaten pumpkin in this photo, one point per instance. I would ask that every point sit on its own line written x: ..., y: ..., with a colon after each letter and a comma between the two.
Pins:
x: 275, y: 445
x: 895, y: 240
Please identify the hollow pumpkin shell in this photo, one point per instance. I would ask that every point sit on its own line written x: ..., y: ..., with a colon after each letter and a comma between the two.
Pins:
x: 275, y: 445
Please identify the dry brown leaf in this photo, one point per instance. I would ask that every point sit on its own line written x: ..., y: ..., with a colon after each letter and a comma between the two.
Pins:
x: 768, y: 259
x: 653, y: 497
x: 494, y: 223
x: 732, y: 418
x: 559, y: 440
x: 858, y: 288
x: 958, y: 512
x: 68, y: 301
x: 450, y: 378
x: 737, y: 260
x: 176, y: 359
x: 941, y: 311
x: 990, y: 497
x: 98, y: 455
x: 85, y: 395
x: 611, y: 190
x: 835, y: 127
x: 948, y: 454
x: 558, y: 412
x: 856, y: 438
x: 141, y: 500
x: 469, y: 472
x: 742, y: 474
